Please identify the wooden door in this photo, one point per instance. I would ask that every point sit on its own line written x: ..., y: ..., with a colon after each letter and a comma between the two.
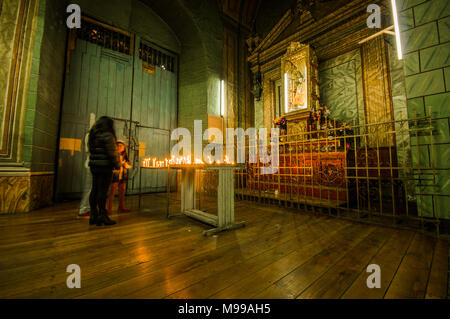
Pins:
x: 155, y: 108
x: 100, y: 82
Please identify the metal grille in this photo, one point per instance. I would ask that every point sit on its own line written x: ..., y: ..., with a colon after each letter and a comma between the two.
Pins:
x: 104, y: 37
x: 155, y: 57
x: 351, y: 174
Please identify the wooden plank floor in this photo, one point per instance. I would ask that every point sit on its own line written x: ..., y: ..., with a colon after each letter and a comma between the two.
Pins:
x: 281, y: 253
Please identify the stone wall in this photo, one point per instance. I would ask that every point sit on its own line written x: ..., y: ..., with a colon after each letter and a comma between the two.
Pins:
x: 199, y: 27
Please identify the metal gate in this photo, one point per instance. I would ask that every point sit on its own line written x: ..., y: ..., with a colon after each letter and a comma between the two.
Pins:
x: 140, y: 94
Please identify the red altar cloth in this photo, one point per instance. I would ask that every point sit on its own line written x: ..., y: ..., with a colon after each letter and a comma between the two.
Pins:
x: 316, y: 174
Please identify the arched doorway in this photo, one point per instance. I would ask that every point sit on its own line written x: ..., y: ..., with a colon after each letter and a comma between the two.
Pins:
x: 116, y: 73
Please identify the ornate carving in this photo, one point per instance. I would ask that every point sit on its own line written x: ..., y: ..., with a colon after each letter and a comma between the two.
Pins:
x: 296, y: 48
x: 300, y: 78
x: 252, y: 42
x: 298, y: 128
x: 311, y: 174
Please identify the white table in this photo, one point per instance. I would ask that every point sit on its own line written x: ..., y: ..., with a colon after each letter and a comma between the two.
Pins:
x: 225, y: 197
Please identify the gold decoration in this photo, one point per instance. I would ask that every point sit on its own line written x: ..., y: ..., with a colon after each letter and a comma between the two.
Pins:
x: 300, y: 78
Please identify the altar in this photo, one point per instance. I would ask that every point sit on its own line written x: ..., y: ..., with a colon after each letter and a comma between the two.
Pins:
x: 310, y: 171
x: 312, y: 147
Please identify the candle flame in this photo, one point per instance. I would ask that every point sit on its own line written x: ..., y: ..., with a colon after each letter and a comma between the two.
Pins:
x: 153, y: 162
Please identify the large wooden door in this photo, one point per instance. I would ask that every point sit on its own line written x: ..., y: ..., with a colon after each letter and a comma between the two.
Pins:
x: 155, y: 108
x: 101, y: 82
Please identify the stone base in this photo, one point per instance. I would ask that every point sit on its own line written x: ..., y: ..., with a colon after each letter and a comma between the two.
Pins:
x: 20, y: 194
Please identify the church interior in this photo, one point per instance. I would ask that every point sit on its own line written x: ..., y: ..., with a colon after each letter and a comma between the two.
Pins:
x: 349, y: 100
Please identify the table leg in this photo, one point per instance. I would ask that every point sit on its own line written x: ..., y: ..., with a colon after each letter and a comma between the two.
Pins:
x: 187, y: 189
x: 140, y: 189
x: 168, y: 191
x: 225, y: 198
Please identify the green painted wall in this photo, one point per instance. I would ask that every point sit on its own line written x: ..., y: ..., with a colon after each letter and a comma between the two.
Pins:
x: 45, y: 87
x: 200, y: 64
x: 200, y: 55
x: 425, y: 26
x: 341, y: 87
x: 399, y: 105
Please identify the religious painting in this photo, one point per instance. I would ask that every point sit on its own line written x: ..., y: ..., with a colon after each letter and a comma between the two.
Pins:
x: 299, y: 74
x: 296, y: 88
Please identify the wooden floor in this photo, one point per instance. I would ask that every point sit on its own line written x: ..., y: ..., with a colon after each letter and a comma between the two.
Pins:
x: 280, y: 254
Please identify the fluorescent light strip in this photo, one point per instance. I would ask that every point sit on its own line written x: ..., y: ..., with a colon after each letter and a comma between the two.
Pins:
x: 306, y: 85
x: 219, y: 97
x: 286, y: 103
x: 397, y: 31
x: 222, y: 98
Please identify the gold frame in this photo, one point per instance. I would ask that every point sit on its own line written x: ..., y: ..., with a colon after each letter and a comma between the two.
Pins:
x: 297, y: 53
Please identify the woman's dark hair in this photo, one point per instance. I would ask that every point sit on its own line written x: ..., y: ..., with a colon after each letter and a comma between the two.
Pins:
x: 103, y: 124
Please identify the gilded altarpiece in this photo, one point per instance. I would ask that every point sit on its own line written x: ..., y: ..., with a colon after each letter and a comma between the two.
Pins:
x: 299, y: 73
x: 312, y: 168
x: 300, y: 78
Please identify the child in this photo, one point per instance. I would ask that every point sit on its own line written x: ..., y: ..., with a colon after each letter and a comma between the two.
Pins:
x: 120, y: 179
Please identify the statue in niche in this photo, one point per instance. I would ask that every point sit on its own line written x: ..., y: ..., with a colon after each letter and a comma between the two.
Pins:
x: 295, y: 78
x: 298, y: 92
x: 299, y: 74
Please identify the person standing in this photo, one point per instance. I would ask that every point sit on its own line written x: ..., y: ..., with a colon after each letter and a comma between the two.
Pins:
x: 85, y: 209
x: 120, y: 178
x: 103, y: 159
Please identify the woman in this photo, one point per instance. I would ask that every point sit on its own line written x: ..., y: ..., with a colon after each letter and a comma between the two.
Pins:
x: 120, y: 179
x: 103, y: 160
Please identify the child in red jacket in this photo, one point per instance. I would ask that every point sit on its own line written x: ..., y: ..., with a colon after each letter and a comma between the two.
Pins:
x: 120, y: 178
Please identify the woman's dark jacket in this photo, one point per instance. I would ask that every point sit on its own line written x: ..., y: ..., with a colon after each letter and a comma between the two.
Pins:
x: 103, y: 152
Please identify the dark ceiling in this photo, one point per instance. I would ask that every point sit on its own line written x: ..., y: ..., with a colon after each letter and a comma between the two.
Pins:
x: 260, y: 16
x: 269, y: 12
x: 256, y: 16
x: 243, y: 11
